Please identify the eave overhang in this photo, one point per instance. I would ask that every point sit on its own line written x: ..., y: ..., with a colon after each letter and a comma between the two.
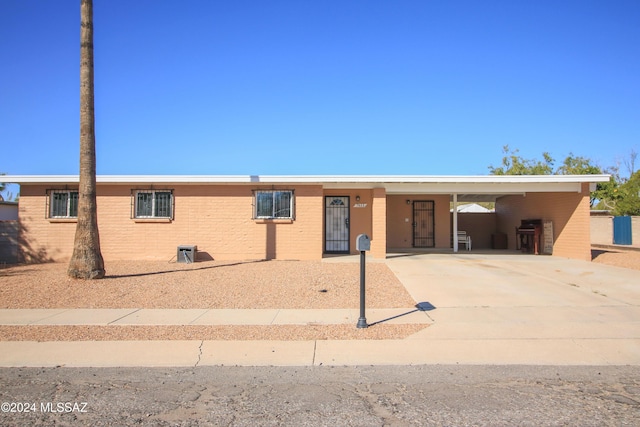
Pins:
x: 483, y: 186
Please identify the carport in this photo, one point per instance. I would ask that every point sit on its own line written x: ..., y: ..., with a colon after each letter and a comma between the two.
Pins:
x: 420, y: 206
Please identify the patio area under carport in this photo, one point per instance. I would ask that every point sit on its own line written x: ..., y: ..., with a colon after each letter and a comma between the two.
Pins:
x: 557, y: 204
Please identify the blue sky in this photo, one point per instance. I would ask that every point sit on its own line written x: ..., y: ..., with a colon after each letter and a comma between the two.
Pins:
x: 320, y: 87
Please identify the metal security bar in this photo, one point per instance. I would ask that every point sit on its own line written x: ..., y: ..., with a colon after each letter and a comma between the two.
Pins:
x: 153, y: 204
x: 336, y: 224
x: 424, y: 224
x: 62, y: 203
x: 276, y: 204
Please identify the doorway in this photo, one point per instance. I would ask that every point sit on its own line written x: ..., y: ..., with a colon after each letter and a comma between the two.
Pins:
x: 424, y: 224
x: 336, y: 237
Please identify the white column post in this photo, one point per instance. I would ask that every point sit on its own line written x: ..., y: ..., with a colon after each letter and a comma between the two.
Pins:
x: 455, y: 222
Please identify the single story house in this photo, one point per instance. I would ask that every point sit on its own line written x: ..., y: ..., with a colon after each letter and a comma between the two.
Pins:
x: 301, y: 217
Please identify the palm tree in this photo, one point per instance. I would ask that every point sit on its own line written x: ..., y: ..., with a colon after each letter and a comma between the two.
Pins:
x: 86, y: 261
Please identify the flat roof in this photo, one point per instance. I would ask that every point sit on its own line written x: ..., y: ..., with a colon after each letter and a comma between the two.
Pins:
x: 308, y: 179
x: 466, y: 187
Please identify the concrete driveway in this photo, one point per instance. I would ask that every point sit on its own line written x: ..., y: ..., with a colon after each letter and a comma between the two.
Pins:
x: 524, y: 309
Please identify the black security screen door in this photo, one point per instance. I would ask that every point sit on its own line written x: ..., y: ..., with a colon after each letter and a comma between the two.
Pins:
x: 336, y: 234
x: 423, y: 224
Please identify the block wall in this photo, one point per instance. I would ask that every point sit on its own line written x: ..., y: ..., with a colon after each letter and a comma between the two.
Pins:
x: 379, y: 223
x: 400, y: 220
x: 480, y: 226
x: 216, y: 218
x: 602, y: 230
x: 360, y: 215
x: 569, y: 213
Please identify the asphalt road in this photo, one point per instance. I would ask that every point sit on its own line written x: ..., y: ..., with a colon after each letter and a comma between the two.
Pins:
x: 440, y: 395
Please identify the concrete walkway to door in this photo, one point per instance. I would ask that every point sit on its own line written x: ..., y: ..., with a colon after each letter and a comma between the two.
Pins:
x: 524, y: 309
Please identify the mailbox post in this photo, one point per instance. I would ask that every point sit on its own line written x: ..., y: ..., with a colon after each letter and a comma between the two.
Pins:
x: 363, y: 244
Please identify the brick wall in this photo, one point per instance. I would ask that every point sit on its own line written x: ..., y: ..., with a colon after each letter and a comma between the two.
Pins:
x: 400, y: 220
x: 602, y: 230
x: 360, y: 214
x: 569, y: 213
x: 480, y: 226
x: 379, y: 224
x: 9, y: 233
x: 216, y: 218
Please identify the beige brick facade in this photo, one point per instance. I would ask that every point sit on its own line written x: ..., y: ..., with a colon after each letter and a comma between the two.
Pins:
x: 569, y: 213
x: 379, y: 224
x: 218, y: 217
x: 361, y: 206
x: 400, y: 220
x: 480, y: 226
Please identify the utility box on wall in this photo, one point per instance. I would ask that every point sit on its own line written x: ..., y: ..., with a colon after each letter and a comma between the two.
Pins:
x: 187, y: 253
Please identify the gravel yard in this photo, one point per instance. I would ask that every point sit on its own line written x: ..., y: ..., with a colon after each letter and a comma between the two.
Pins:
x: 259, y: 284
x: 626, y: 259
x: 152, y: 284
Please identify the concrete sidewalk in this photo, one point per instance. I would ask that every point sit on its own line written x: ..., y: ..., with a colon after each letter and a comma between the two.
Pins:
x: 150, y: 317
x: 482, y: 309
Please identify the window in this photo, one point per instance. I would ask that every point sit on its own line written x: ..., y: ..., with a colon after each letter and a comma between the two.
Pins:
x: 153, y: 204
x: 274, y: 204
x: 63, y: 204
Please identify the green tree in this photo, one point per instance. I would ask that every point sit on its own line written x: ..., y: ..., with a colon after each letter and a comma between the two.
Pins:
x: 607, y: 194
x: 628, y: 202
x: 513, y: 164
x: 578, y: 165
x: 86, y: 261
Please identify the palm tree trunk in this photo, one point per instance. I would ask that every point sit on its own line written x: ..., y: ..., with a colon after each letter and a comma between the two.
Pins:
x: 86, y: 261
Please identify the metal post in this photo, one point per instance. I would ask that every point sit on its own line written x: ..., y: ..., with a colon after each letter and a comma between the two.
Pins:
x: 362, y: 321
x: 455, y: 222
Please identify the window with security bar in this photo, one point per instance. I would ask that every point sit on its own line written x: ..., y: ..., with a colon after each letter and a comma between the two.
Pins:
x: 153, y: 204
x: 63, y: 204
x: 273, y: 204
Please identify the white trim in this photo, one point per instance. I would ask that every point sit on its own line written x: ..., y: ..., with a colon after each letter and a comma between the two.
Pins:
x: 455, y: 223
x: 487, y: 187
x: 367, y: 180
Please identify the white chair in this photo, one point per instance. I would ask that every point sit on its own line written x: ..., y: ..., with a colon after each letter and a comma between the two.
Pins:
x: 464, y: 239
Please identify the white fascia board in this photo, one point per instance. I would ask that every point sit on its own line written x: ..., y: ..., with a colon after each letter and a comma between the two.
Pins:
x: 130, y: 179
x: 174, y: 179
x: 39, y: 179
x: 384, y: 180
x: 483, y: 188
x: 329, y: 181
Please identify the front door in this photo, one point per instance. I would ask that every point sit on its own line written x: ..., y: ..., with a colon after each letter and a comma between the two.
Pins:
x: 336, y: 235
x: 424, y: 224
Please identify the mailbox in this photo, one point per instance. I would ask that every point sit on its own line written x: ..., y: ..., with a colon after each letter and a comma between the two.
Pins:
x: 363, y: 243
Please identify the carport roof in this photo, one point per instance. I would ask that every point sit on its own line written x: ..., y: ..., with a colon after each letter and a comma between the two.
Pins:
x: 467, y: 187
